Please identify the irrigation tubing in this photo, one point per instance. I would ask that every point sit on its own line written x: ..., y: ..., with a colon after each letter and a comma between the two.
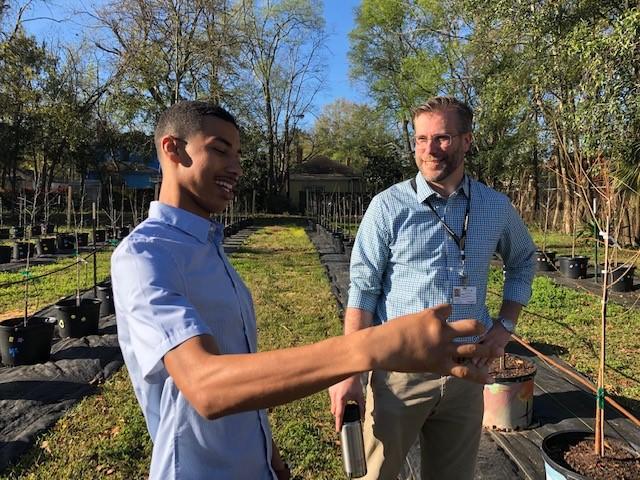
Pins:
x: 577, y: 378
x: 31, y: 278
x: 583, y: 381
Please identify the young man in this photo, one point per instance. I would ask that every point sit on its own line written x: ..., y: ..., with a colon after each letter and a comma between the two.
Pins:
x: 423, y: 242
x: 187, y: 328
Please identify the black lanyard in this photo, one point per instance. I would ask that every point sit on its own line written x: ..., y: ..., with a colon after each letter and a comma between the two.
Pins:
x: 460, y: 240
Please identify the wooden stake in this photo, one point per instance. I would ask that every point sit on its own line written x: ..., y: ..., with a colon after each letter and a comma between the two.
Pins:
x: 68, y: 207
x: 599, y: 426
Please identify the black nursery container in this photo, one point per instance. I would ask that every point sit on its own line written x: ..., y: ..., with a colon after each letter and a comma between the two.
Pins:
x: 48, y: 228
x: 573, y: 267
x: 46, y: 246
x: 122, y: 232
x: 65, y: 243
x: 16, y: 232
x: 6, y: 252
x: 105, y: 295
x: 78, y: 321
x: 36, y: 230
x: 26, y: 345
x: 83, y: 239
x: 22, y: 249
x: 101, y: 236
x: 545, y: 261
x: 337, y: 238
x: 348, y: 246
x: 4, y: 233
x: 621, y: 277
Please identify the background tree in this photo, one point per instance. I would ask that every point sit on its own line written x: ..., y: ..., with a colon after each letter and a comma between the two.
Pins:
x: 349, y: 133
x: 283, y: 56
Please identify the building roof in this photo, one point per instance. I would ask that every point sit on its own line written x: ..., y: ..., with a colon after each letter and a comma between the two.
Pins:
x: 322, y: 165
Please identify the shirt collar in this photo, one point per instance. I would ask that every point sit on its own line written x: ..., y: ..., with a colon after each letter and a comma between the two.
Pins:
x: 198, y: 227
x: 425, y: 191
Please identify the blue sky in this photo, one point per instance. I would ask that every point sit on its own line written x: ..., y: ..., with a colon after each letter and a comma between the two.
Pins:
x: 339, y: 16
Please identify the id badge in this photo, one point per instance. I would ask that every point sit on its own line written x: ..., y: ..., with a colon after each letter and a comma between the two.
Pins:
x: 464, y: 295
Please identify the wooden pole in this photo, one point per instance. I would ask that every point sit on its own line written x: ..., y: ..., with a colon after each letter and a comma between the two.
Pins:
x: 95, y: 250
x: 69, y: 207
x: 600, y: 393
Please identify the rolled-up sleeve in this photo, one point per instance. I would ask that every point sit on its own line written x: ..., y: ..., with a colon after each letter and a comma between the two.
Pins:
x: 151, y: 303
x: 369, y: 258
x: 518, y: 253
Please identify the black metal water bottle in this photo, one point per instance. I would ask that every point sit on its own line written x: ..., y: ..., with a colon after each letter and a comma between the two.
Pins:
x: 355, y: 463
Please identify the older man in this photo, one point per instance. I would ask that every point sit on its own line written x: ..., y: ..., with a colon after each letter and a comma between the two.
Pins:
x: 422, y: 242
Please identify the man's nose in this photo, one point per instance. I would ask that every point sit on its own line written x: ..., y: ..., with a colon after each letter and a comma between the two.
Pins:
x: 432, y: 145
x: 234, y: 167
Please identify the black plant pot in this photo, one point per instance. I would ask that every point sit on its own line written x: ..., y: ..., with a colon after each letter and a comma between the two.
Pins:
x: 48, y: 228
x: 78, y: 321
x: 105, y: 295
x: 621, y: 277
x: 6, y: 252
x: 83, y: 239
x: 555, y: 445
x: 16, y: 232
x: 101, y: 236
x: 26, y: 345
x: 22, y: 249
x: 4, y: 233
x: 573, y: 267
x: 338, y: 246
x: 348, y: 247
x: 122, y: 232
x: 46, y: 246
x: 36, y: 230
x: 545, y: 261
x: 65, y: 242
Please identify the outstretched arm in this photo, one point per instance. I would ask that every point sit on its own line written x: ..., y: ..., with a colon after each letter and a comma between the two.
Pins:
x: 218, y: 385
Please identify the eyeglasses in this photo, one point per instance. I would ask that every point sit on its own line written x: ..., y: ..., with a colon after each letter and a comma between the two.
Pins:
x: 442, y: 140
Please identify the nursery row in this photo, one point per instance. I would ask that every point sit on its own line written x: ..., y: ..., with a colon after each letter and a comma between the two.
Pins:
x: 27, y: 340
x: 620, y: 277
x: 62, y: 243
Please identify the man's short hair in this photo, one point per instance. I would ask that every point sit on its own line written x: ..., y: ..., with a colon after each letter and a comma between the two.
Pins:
x: 442, y: 104
x: 184, y: 118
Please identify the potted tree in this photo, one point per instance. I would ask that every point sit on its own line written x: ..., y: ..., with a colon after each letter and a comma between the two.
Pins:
x: 508, y: 402
x: 78, y: 317
x: 545, y: 260
x: 27, y: 339
x: 574, y: 266
x: 583, y: 454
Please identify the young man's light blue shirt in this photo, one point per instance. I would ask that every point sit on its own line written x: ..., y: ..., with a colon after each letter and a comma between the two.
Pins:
x: 172, y: 281
x: 404, y: 260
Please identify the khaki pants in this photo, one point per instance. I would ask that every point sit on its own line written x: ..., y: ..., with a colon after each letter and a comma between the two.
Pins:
x: 445, y: 412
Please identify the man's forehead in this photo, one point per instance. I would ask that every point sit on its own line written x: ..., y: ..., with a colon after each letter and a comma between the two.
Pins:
x: 435, y: 118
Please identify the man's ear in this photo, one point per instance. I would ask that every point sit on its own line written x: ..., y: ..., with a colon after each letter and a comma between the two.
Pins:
x: 467, y: 139
x: 169, y: 147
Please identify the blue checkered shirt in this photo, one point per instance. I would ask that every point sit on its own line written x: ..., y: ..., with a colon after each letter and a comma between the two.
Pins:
x: 404, y: 260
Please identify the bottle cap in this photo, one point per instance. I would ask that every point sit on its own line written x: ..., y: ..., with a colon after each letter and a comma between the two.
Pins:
x: 351, y: 413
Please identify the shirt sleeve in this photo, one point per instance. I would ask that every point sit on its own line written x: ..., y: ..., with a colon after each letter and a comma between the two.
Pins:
x: 151, y: 297
x: 518, y: 253
x: 369, y: 258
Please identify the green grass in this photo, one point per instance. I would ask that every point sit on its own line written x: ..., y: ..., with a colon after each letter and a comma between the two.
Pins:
x: 105, y: 435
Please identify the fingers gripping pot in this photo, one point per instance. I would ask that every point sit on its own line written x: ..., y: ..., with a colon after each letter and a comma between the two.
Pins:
x: 355, y: 464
